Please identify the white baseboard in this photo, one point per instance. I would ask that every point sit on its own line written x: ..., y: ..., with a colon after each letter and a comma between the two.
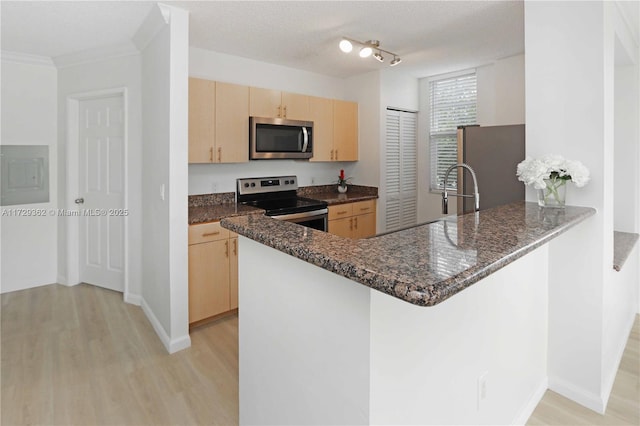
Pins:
x: 179, y: 344
x: 569, y: 390
x: 607, y: 385
x: 532, y: 403
x: 171, y: 345
x: 133, y: 299
x: 22, y: 286
x: 61, y: 279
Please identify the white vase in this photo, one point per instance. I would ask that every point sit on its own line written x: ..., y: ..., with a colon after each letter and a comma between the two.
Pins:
x: 342, y: 189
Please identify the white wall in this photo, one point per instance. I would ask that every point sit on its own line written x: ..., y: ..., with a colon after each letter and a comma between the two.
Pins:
x: 366, y: 89
x: 562, y: 117
x: 29, y: 252
x: 113, y: 73
x: 501, y: 101
x: 303, y: 343
x: 626, y: 148
x: 208, y: 178
x: 375, y: 359
x: 501, y: 95
x: 426, y: 362
x: 164, y: 173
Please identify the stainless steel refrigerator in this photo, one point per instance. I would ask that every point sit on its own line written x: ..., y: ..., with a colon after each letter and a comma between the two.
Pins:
x: 493, y: 152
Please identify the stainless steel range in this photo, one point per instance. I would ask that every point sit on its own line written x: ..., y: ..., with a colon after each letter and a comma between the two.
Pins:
x: 278, y: 197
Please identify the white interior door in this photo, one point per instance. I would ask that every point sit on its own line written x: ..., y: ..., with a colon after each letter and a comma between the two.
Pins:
x: 101, y: 191
x: 401, y: 170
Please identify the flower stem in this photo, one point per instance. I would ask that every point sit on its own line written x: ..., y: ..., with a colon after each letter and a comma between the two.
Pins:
x: 552, y: 189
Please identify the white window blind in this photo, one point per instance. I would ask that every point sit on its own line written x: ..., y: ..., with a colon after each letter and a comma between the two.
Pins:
x: 453, y: 104
x: 401, y: 170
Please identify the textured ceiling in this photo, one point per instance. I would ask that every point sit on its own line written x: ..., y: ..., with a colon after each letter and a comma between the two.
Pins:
x: 430, y: 36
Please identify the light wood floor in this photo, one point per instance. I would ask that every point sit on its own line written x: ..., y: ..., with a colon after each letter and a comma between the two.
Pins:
x: 80, y: 355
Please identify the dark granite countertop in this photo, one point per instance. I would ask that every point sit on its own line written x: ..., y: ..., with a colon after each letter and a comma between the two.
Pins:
x: 213, y: 207
x: 215, y: 212
x: 623, y: 243
x: 330, y: 194
x: 426, y: 264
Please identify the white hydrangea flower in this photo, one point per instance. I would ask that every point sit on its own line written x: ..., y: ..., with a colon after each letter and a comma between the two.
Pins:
x: 555, y: 163
x: 578, y: 172
x: 533, y: 171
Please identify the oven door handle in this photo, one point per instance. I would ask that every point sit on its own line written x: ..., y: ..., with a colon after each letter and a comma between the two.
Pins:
x: 306, y: 139
x: 302, y: 215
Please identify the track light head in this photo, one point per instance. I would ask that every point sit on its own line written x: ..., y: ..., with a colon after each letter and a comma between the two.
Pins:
x: 345, y: 45
x: 365, y: 52
x: 378, y: 56
x: 396, y: 60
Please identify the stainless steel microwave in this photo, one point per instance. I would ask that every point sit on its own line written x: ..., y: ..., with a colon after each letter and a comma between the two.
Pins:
x: 278, y: 138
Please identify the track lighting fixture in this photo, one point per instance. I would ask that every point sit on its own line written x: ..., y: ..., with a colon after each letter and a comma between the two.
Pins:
x: 365, y: 52
x: 367, y: 49
x: 346, y: 46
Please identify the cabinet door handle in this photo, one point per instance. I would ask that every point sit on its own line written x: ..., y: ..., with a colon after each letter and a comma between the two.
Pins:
x: 351, y: 224
x: 355, y: 221
x: 210, y: 234
x: 226, y: 248
x: 332, y: 154
x: 341, y: 213
x: 364, y: 209
x: 279, y: 110
x: 235, y: 247
x: 336, y: 155
x: 211, y: 154
x: 284, y: 114
x: 219, y: 155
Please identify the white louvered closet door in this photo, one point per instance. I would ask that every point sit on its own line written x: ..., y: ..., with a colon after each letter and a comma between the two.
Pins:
x: 401, y: 170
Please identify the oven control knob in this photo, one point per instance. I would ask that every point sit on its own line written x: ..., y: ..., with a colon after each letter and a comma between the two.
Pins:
x: 246, y: 185
x: 286, y: 182
x: 253, y: 184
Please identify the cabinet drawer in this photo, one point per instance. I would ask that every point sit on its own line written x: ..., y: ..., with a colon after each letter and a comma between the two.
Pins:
x: 204, y: 232
x: 364, y: 207
x: 340, y: 211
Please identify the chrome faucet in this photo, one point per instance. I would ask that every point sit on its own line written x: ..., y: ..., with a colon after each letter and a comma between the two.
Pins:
x: 445, y: 195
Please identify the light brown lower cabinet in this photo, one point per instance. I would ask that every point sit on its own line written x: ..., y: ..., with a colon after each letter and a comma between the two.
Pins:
x: 353, y: 220
x: 213, y: 271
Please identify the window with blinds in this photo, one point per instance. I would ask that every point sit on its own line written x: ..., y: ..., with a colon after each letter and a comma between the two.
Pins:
x: 401, y: 170
x: 452, y: 103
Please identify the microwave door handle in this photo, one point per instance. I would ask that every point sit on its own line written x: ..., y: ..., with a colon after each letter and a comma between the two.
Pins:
x: 306, y: 139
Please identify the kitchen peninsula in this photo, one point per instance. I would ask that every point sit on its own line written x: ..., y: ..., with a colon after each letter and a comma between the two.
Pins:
x: 319, y: 346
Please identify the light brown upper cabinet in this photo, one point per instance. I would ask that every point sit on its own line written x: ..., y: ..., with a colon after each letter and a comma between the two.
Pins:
x: 218, y: 122
x: 345, y: 130
x: 321, y: 113
x: 202, y: 112
x: 277, y: 104
x: 335, y: 127
x: 232, y: 123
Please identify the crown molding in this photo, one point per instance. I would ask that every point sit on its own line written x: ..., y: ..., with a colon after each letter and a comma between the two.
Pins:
x: 158, y: 17
x: 96, y: 55
x: 26, y: 58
